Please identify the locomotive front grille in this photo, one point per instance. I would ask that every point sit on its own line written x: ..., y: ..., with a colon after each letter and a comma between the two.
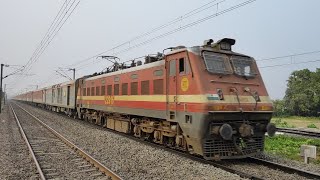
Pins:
x: 222, y: 149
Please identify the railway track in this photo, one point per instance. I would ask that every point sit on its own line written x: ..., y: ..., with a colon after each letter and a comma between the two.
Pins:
x: 228, y: 164
x: 54, y: 155
x: 287, y: 169
x: 299, y: 132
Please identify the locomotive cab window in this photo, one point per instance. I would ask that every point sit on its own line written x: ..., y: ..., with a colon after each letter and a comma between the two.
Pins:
x: 243, y: 66
x: 183, y: 66
x: 217, y: 63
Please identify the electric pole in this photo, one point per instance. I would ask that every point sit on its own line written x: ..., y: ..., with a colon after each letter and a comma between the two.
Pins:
x: 1, y: 87
x: 5, y: 94
x: 74, y: 72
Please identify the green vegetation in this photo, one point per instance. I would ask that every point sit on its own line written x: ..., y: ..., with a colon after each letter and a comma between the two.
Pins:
x: 283, y: 124
x: 297, y: 121
x: 302, y: 96
x: 312, y: 126
x: 289, y: 147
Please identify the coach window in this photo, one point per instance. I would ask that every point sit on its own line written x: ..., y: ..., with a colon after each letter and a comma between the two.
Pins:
x: 98, y: 91
x: 134, y: 88
x: 92, y: 91
x: 109, y: 90
x: 124, y: 89
x: 103, y: 90
x: 145, y: 88
x: 116, y: 89
x: 84, y: 92
x: 88, y: 91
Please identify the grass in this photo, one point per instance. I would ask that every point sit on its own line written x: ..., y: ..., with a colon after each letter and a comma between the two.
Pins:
x: 283, y: 124
x: 289, y: 147
x: 312, y: 126
x: 297, y: 121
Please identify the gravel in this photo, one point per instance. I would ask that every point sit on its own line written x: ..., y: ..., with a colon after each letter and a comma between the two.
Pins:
x: 55, y: 158
x: 15, y: 160
x: 297, y: 164
x: 126, y: 157
x: 262, y: 171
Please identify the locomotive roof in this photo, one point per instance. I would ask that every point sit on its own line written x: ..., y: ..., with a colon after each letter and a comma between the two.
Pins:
x: 197, y: 50
x: 137, y: 68
x: 194, y: 49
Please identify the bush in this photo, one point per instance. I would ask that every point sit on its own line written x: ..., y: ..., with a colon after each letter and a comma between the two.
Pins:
x: 283, y: 124
x: 312, y: 126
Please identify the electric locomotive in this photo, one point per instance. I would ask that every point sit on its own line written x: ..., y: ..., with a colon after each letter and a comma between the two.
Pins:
x: 206, y: 100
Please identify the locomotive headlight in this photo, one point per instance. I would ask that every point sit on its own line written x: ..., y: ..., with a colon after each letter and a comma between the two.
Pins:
x: 226, y: 131
x: 271, y: 129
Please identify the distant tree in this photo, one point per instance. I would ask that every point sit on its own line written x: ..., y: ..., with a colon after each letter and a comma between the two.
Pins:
x: 303, y: 91
x: 279, y: 108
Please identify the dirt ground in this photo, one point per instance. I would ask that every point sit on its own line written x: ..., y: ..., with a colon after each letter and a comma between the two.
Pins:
x: 299, y: 122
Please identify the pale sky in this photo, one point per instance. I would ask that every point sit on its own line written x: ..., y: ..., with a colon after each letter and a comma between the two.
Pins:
x: 262, y: 29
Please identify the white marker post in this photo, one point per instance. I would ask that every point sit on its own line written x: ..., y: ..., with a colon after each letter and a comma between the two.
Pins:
x: 308, y: 151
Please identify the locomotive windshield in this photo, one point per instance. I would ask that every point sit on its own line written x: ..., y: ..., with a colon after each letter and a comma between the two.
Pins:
x: 221, y: 64
x: 217, y: 63
x: 243, y: 66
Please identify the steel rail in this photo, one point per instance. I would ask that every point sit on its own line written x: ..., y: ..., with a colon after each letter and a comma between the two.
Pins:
x: 82, y: 153
x: 28, y: 144
x: 189, y: 156
x: 299, y: 132
x: 175, y: 151
x: 272, y: 165
x: 285, y: 168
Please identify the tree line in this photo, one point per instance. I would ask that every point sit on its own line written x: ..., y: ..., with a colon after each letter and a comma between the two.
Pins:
x: 302, y: 97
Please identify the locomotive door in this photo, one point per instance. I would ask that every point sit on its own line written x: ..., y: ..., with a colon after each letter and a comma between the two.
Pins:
x: 171, y: 87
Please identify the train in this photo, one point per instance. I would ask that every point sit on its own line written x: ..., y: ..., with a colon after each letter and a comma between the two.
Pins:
x: 205, y: 100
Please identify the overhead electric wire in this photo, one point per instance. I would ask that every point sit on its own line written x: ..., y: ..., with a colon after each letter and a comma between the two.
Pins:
x: 56, y: 32
x: 176, y: 30
x: 188, y: 14
x: 290, y: 55
x: 49, y: 29
x: 53, y: 30
x: 47, y: 34
x: 286, y: 64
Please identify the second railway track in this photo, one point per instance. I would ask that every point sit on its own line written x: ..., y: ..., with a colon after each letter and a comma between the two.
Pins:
x: 300, y: 132
x: 54, y: 155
